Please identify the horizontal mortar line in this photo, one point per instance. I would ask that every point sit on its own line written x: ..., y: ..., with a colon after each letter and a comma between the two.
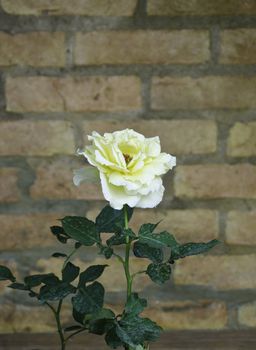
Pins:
x: 11, y: 23
x: 70, y: 116
x: 140, y: 70
x: 226, y: 116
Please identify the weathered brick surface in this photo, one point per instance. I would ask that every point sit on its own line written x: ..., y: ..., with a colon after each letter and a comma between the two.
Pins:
x: 177, y: 136
x: 41, y: 138
x: 240, y: 227
x: 201, y: 7
x: 247, y: 315
x: 148, y: 47
x: 203, y: 314
x: 27, y: 231
x: 203, y: 93
x: 21, y: 318
x: 242, y: 140
x: 187, y: 225
x: 215, y: 181
x: 52, y: 94
x: 217, y: 272
x: 66, y: 7
x: 9, y: 191
x: 238, y: 46
x: 54, y: 180
x: 32, y: 49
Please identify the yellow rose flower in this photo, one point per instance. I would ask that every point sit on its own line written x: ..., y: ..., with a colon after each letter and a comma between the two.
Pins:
x: 130, y: 167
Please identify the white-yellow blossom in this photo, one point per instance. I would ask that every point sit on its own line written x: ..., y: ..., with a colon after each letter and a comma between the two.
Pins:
x: 130, y: 167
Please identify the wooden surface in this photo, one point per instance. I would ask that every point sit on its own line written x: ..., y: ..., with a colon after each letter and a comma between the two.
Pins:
x: 182, y: 340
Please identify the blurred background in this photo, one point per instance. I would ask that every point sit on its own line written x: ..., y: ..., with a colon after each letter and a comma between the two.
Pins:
x: 181, y: 69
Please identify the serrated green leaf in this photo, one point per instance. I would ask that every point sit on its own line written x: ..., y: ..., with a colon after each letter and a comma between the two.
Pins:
x: 102, y: 321
x: 159, y: 273
x: 147, y: 228
x: 143, y: 250
x: 135, y: 305
x: 36, y: 280
x: 89, y: 299
x: 111, y: 220
x: 157, y: 240
x: 81, y: 229
x: 120, y: 238
x: 6, y: 274
x: 183, y: 250
x: 134, y: 330
x: 19, y: 286
x: 70, y: 272
x: 112, y: 339
x: 91, y: 274
x: 56, y: 292
x: 59, y: 255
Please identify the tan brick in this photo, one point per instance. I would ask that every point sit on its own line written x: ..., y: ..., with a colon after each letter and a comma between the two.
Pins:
x: 20, y: 318
x: 215, y: 181
x: 238, y: 46
x: 217, y: 272
x: 180, y: 315
x: 240, y: 228
x: 187, y: 225
x: 9, y: 191
x: 54, y: 180
x: 41, y: 138
x: 27, y: 231
x: 32, y: 49
x: 66, y: 7
x: 176, y: 136
x: 203, y: 93
x: 148, y: 47
x: 247, y: 314
x: 75, y: 94
x: 201, y: 7
x: 242, y: 140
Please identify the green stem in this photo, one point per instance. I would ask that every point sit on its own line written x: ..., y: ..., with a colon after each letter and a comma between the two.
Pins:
x: 68, y: 257
x: 75, y: 333
x: 127, y: 256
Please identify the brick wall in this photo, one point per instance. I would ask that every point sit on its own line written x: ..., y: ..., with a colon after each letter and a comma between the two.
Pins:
x: 184, y: 70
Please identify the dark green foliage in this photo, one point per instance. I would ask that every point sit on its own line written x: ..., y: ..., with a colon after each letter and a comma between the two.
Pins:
x: 57, y: 291
x: 36, y: 280
x: 70, y: 272
x: 135, y: 330
x: 72, y: 328
x: 101, y: 321
x: 143, y: 250
x: 155, y: 240
x: 106, y: 251
x: 112, y: 339
x: 90, y: 274
x: 135, y: 305
x: 89, y: 299
x: 182, y: 250
x: 18, y: 286
x: 120, y: 237
x: 111, y: 220
x: 159, y: 273
x: 59, y: 233
x: 81, y: 229
x: 6, y: 274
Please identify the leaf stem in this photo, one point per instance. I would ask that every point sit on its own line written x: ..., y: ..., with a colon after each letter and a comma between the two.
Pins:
x: 127, y: 256
x: 68, y: 257
x: 75, y: 333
